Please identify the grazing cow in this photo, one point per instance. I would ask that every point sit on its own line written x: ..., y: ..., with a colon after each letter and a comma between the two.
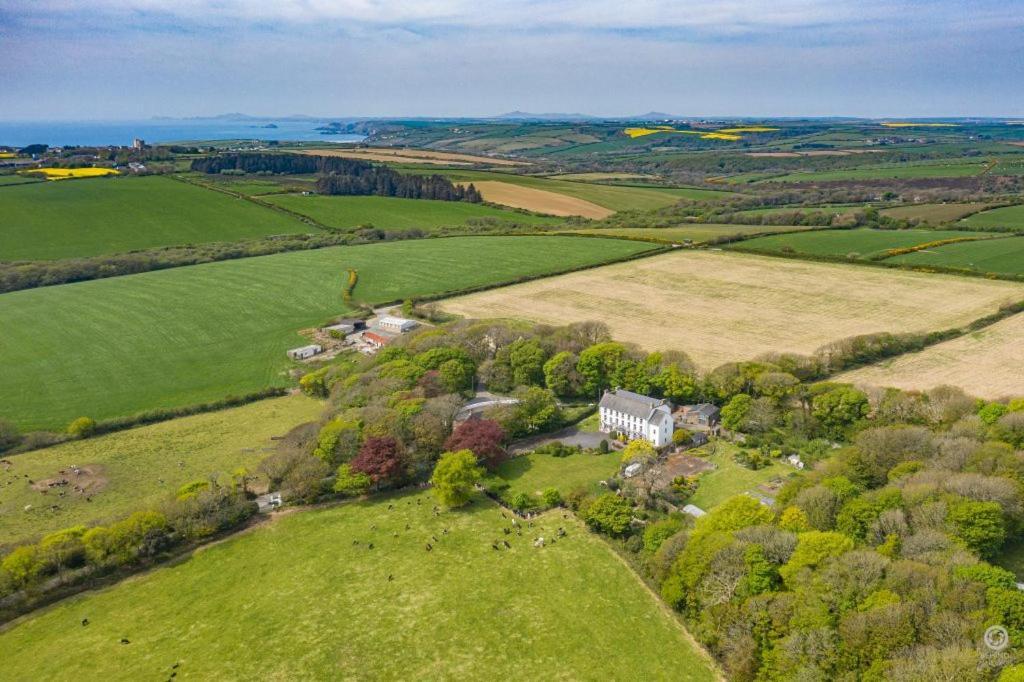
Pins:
x: 507, y: 546
x: 85, y: 621
x: 124, y: 641
x: 429, y: 547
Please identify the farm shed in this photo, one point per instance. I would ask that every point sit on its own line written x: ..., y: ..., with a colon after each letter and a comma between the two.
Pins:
x: 304, y: 352
x: 377, y: 340
x: 398, y: 325
x: 704, y: 414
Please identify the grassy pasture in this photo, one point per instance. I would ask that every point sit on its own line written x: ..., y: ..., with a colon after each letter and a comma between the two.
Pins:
x: 18, y: 180
x: 1001, y: 256
x: 729, y: 478
x: 256, y: 185
x: 1008, y: 216
x: 680, y: 233
x: 721, y: 306
x: 55, y: 220
x: 891, y: 172
x: 130, y: 465
x: 175, y: 337
x: 394, y: 213
x: 305, y: 598
x: 864, y: 242
x: 803, y: 210
x: 406, y: 155
x: 935, y: 214
x: 988, y: 363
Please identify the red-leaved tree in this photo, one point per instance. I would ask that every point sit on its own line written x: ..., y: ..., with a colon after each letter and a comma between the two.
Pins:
x: 484, y: 437
x: 381, y: 458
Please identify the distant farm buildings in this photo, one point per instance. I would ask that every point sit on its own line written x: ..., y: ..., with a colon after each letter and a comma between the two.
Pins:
x: 305, y: 352
x: 377, y: 339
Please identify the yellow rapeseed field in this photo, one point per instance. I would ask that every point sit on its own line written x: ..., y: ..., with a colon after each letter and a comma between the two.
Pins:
x: 7, y: 155
x: 67, y: 173
x: 730, y: 134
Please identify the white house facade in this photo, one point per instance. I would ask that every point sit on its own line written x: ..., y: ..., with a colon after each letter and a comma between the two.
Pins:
x: 636, y: 416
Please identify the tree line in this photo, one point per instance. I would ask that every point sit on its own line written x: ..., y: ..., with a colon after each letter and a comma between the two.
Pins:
x: 341, y: 176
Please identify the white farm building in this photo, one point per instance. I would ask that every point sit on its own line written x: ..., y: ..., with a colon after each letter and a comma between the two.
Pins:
x: 636, y: 416
x: 396, y: 325
x: 305, y: 352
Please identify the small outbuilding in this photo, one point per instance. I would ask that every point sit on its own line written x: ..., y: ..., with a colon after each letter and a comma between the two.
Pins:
x: 305, y: 352
x: 377, y: 340
x: 397, y: 325
x: 704, y: 414
x: 343, y: 328
x: 694, y: 511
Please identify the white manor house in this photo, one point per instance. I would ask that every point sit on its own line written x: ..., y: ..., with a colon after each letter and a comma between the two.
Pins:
x: 636, y: 416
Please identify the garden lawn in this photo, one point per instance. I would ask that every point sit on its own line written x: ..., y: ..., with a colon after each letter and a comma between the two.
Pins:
x: 69, y: 219
x: 306, y: 598
x: 695, y: 233
x: 391, y: 213
x: 138, y: 468
x: 863, y: 242
x: 1008, y: 216
x: 730, y: 478
x: 534, y: 472
x: 998, y: 256
x: 175, y: 337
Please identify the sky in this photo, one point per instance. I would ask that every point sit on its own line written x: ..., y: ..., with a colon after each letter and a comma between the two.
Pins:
x: 133, y: 59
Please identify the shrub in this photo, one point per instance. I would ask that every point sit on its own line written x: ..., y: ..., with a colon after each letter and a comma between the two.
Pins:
x: 351, y: 483
x: 83, y: 427
x: 609, y: 514
x: 551, y: 497
x: 656, y: 533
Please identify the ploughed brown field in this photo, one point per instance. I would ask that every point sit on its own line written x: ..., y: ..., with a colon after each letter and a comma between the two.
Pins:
x: 720, y: 307
x: 539, y: 200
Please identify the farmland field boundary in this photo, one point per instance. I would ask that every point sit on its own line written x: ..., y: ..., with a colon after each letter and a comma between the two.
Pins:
x: 932, y: 269
x: 254, y: 200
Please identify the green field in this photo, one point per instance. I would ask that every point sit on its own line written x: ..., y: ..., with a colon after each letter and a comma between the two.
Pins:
x: 863, y: 242
x: 138, y: 468
x: 804, y: 210
x: 175, y: 337
x: 614, y: 197
x: 682, y: 233
x: 901, y: 172
x: 936, y: 214
x: 730, y: 478
x: 75, y: 218
x: 534, y: 472
x: 305, y: 598
x: 1008, y: 216
x: 1000, y: 256
x: 256, y: 185
x: 391, y: 213
x: 6, y: 180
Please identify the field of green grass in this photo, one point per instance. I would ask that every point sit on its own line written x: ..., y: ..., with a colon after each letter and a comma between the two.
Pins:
x: 391, y: 213
x: 74, y: 218
x: 256, y: 185
x: 891, y: 172
x: 614, y: 197
x: 1008, y: 216
x: 534, y: 472
x: 1001, y: 256
x: 730, y: 478
x: 138, y: 468
x: 175, y: 337
x: 804, y: 210
x: 18, y: 180
x: 863, y: 242
x: 682, y: 233
x: 936, y: 214
x: 304, y: 597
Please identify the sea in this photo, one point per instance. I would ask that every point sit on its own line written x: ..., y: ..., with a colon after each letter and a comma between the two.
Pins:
x: 154, y: 131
